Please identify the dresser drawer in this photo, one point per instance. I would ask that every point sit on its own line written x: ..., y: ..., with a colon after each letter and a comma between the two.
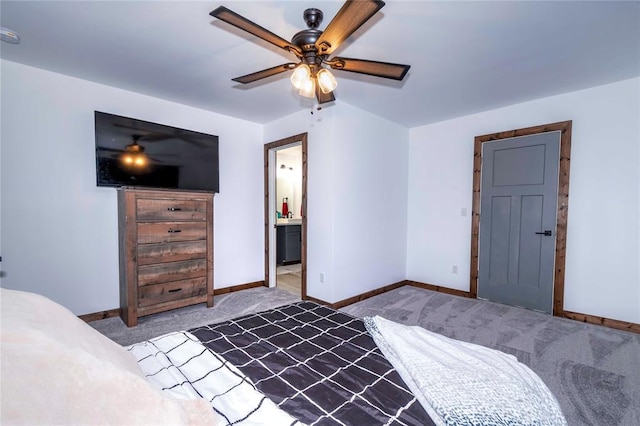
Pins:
x: 173, y: 271
x: 163, y: 209
x: 175, y: 290
x: 167, y: 232
x: 171, y: 252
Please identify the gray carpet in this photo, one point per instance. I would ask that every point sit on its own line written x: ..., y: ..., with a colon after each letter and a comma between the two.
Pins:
x: 593, y: 371
x: 225, y: 307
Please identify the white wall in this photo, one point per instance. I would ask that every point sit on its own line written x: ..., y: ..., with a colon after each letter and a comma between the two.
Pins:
x: 603, y: 236
x: 370, y: 212
x: 59, y: 231
x: 367, y: 226
x: 357, y: 172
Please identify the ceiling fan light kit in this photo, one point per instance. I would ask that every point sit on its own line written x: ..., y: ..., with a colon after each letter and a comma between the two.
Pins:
x: 313, y: 47
x: 139, y: 160
x: 303, y: 80
x: 134, y: 155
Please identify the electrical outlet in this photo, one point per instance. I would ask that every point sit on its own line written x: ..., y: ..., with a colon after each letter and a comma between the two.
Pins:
x: 454, y: 269
x: 321, y: 277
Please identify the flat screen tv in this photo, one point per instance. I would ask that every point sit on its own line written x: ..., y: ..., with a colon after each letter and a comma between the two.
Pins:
x: 136, y: 153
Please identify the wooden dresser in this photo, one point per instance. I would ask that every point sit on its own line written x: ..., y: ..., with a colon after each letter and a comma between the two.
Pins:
x: 166, y: 251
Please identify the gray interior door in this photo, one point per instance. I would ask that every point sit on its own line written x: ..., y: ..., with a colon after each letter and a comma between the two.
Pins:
x: 518, y: 207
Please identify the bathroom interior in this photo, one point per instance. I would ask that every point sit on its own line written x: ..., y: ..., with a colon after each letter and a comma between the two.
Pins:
x: 289, y: 219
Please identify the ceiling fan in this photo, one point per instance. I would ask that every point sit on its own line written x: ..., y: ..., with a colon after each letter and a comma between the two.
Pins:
x: 155, y: 136
x: 313, y: 48
x: 133, y: 154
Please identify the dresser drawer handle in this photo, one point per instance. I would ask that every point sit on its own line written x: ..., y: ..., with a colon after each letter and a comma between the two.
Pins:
x: 174, y: 231
x: 174, y: 209
x: 175, y: 290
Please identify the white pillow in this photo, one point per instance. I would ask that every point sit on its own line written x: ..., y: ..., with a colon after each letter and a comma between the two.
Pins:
x: 58, y: 370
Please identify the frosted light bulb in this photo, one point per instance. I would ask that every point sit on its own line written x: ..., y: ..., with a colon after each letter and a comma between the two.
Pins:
x: 301, y: 74
x: 309, y: 88
x: 326, y: 81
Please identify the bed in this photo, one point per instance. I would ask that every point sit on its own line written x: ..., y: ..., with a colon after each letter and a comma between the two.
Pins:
x: 298, y: 364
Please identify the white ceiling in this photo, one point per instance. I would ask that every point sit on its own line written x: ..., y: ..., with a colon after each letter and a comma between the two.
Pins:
x: 465, y: 57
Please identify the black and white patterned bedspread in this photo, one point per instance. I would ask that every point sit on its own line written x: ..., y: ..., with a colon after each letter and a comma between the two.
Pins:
x: 317, y: 364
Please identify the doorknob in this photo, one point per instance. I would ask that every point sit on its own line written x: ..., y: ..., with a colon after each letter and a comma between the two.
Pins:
x: 546, y: 233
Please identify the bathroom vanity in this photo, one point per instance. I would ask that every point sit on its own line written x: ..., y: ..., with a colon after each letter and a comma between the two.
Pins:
x: 288, y: 241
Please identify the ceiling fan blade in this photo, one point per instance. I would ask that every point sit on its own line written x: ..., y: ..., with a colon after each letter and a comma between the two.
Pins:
x: 151, y: 136
x: 375, y: 68
x: 160, y: 137
x: 323, y: 98
x: 249, y: 78
x: 230, y: 17
x: 349, y: 18
x: 103, y: 148
x: 155, y: 160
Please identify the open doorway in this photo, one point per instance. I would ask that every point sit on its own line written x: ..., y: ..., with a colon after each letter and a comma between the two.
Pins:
x: 285, y: 214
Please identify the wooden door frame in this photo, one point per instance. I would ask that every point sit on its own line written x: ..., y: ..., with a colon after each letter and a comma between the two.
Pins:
x: 302, y: 139
x: 564, y: 127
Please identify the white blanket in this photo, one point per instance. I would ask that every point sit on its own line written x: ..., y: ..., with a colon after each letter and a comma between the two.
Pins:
x: 179, y: 364
x: 461, y: 383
